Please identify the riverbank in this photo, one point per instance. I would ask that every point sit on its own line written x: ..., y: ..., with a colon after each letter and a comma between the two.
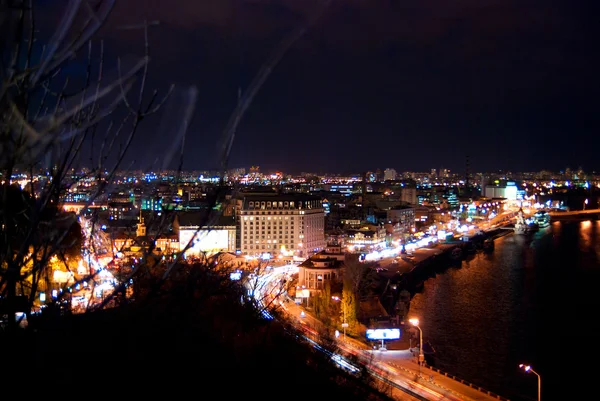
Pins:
x: 409, y: 272
x: 437, y: 255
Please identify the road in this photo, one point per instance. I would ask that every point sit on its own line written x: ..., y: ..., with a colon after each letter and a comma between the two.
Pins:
x: 399, y: 367
x: 404, y: 362
x: 396, y: 369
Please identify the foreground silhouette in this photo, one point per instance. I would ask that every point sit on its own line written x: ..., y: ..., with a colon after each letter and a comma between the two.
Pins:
x: 191, y: 337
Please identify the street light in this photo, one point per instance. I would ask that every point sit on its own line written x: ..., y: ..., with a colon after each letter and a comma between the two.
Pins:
x: 528, y: 368
x: 344, y: 324
x: 415, y: 322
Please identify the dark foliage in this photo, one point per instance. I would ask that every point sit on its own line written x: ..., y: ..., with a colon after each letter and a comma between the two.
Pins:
x: 15, y: 216
x: 179, y: 342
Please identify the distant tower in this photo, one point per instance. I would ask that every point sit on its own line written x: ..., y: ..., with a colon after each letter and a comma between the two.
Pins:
x: 364, y: 196
x: 141, y: 227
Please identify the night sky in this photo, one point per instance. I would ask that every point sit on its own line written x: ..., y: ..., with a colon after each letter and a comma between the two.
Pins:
x: 406, y: 84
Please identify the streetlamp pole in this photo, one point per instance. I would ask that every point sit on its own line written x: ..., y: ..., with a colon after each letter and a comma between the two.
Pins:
x: 528, y: 368
x: 344, y: 324
x: 415, y: 322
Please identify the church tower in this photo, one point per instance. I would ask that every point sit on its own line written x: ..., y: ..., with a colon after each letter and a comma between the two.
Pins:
x: 141, y: 227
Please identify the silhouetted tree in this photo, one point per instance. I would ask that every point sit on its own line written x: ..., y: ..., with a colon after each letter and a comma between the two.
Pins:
x: 349, y: 306
x: 45, y: 121
x: 185, y: 318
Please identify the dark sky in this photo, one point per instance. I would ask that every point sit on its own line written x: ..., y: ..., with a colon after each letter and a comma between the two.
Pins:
x: 406, y: 84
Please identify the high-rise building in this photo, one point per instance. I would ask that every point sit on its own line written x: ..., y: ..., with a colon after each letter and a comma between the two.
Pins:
x: 409, y: 195
x: 273, y: 223
x: 389, y: 174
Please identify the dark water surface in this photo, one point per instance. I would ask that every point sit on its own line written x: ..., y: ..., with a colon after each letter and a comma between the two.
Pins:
x: 532, y: 300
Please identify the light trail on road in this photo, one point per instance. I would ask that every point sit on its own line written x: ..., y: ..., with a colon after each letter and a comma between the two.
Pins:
x: 381, y: 371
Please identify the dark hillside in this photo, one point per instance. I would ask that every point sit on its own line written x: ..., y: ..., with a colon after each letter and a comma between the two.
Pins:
x: 174, y: 345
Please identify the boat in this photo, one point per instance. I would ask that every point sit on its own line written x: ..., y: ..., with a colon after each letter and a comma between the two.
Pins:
x: 541, y: 219
x: 521, y: 227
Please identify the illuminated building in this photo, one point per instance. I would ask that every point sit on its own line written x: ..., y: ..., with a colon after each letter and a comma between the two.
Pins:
x: 197, y: 237
x: 507, y: 190
x: 402, y: 221
x: 368, y: 238
x: 389, y: 174
x: 323, y: 267
x: 195, y: 240
x: 137, y: 245
x: 273, y: 223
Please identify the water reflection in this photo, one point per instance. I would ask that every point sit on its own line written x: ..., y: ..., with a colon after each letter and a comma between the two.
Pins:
x: 500, y: 309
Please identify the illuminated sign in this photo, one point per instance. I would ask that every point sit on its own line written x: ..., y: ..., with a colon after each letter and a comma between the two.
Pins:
x: 383, y: 334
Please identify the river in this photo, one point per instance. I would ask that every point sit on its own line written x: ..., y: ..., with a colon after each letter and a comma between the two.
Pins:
x: 532, y: 300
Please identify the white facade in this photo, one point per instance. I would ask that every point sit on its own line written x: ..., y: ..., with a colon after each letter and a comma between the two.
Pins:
x: 508, y: 191
x: 287, y: 224
x: 206, y: 240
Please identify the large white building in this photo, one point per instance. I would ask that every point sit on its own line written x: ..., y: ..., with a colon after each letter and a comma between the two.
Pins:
x: 197, y: 237
x: 507, y: 190
x: 195, y: 240
x: 272, y: 223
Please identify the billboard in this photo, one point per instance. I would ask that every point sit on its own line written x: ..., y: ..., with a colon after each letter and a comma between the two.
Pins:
x: 383, y: 334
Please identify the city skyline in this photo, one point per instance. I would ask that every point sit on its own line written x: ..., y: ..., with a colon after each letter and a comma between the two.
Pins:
x: 370, y: 84
x: 350, y: 208
x: 567, y: 173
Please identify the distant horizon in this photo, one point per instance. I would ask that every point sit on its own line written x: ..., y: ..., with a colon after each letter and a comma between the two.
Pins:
x: 324, y: 173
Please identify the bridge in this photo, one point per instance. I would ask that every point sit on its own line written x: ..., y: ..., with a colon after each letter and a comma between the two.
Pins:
x: 505, y: 221
x: 575, y: 215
